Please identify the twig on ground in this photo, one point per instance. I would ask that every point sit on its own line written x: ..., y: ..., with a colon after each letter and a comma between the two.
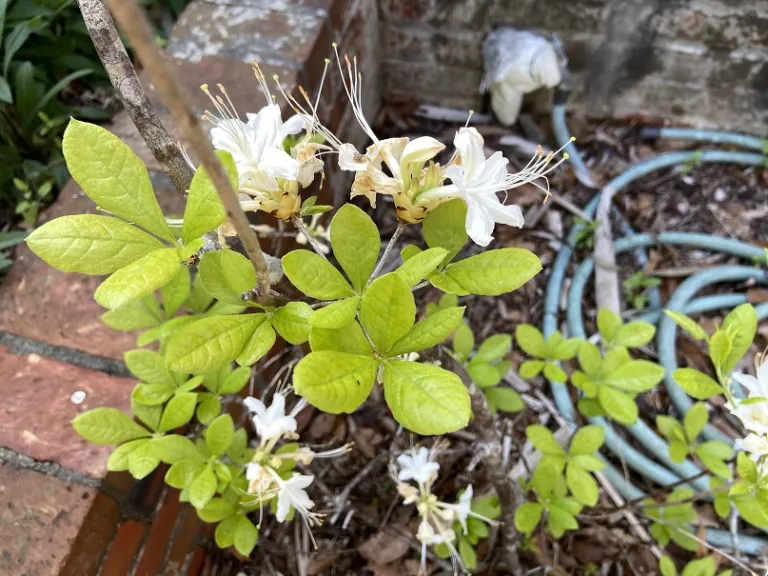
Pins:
x: 134, y: 25
x: 341, y: 500
x: 607, y: 291
x: 128, y: 87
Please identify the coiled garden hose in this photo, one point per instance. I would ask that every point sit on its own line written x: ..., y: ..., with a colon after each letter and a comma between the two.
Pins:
x: 682, y: 299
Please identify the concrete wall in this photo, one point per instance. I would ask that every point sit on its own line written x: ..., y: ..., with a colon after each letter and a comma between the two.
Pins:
x: 703, y: 62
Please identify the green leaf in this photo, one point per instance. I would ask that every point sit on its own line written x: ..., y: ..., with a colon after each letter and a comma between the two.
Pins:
x: 142, y: 461
x: 696, y: 384
x: 584, y: 383
x: 356, y: 244
x: 260, y: 342
x: 560, y: 521
x: 444, y: 227
x: 634, y: 334
x: 678, y: 451
x: 582, y: 485
x: 587, y: 440
x: 292, y: 322
x: 504, y: 399
x: 701, y: 567
x: 543, y: 440
x: 667, y: 566
x: 494, y: 348
x: 199, y: 299
x: 695, y: 420
x: 554, y: 373
x: 746, y: 468
x: 315, y: 276
x: 90, y: 244
x: 153, y: 394
x: 204, y: 211
x: 235, y: 381
x: 336, y: 315
x: 387, y: 310
x: 530, y: 340
x: 617, y: 405
x: 178, y: 411
x: 219, y: 434
x: 203, y: 487
x: 608, y: 323
x: 720, y: 350
x: 527, y: 516
x: 566, y: 349
x: 636, y: 376
x: 590, y: 407
x: 687, y: 324
x: 467, y: 553
x: 531, y: 368
x: 113, y: 176
x: 246, y: 534
x: 217, y: 510
x: 138, y: 279
x: 495, y: 272
x: 741, y: 326
x: 614, y: 358
x: 463, y: 340
x: 424, y: 398
x: 349, y: 339
x: 207, y: 344
x: 483, y: 374
x: 227, y: 275
x: 421, y: 265
x: 118, y: 459
x: 149, y: 366
x: 137, y: 315
x: 671, y: 428
x: 225, y: 532
x: 429, y: 332
x: 587, y: 462
x: 335, y: 382
x: 149, y: 415
x: 173, y: 448
x: 108, y: 426
x: 590, y: 359
x: 446, y: 284
x: 176, y: 292
x: 209, y: 408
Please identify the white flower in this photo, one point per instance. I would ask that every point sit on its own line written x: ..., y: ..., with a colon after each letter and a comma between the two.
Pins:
x: 271, y: 423
x: 417, y: 466
x: 753, y: 415
x: 756, y: 445
x: 259, y: 480
x: 292, y: 493
x: 757, y: 386
x: 427, y: 535
x: 464, y: 508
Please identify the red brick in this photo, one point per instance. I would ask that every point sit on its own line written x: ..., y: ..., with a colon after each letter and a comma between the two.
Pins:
x: 92, y: 542
x: 187, y: 531
x: 36, y: 415
x: 40, y: 518
x: 122, y: 553
x: 151, y: 560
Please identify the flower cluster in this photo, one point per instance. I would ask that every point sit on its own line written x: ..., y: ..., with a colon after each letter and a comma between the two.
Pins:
x: 270, y: 472
x: 418, y: 466
x: 753, y: 411
x: 402, y: 168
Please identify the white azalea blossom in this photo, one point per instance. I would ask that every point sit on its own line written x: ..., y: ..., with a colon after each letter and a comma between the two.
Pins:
x: 417, y: 465
x: 292, y: 494
x: 753, y: 415
x: 271, y: 423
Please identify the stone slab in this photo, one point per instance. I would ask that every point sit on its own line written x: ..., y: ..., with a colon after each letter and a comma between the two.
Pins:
x: 36, y: 415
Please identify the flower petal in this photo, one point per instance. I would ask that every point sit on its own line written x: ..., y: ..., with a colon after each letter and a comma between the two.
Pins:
x: 420, y: 150
x: 478, y: 223
x: 279, y: 164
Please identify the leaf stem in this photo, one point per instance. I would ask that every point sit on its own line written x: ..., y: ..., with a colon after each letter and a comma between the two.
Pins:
x: 301, y: 227
x: 401, y: 224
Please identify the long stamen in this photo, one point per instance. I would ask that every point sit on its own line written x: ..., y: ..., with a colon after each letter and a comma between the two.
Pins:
x: 262, y: 82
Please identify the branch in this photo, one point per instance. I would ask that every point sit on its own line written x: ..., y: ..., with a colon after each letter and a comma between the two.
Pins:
x: 126, y: 83
x: 133, y: 23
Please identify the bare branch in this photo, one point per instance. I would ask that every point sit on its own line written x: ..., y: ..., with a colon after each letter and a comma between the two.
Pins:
x: 133, y: 23
x: 126, y: 83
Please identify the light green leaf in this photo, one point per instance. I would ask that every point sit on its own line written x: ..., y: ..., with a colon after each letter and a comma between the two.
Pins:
x: 421, y: 265
x: 336, y: 315
x: 504, y: 399
x: 590, y: 359
x: 149, y: 415
x: 587, y: 440
x: 467, y: 553
x: 207, y: 344
x: 444, y: 227
x: 495, y: 272
x: 225, y: 532
x: 335, y: 382
x: 446, y: 284
x: 425, y: 398
x: 235, y: 381
x: 217, y: 510
x: 118, y: 459
x: 142, y: 461
x: 227, y: 275
x: 741, y: 325
x: 714, y: 464
x: 671, y: 428
x: 585, y: 383
x: 554, y: 373
x: 153, y: 394
x: 695, y: 420
x: 463, y: 341
x: 209, y: 408
x: 429, y: 332
x: 608, y: 323
x: 387, y: 311
x: 315, y: 276
x: 687, y: 324
x: 667, y: 566
x: 90, y: 244
x: 531, y: 368
x: 138, y: 279
x: 173, y: 448
x: 746, y: 467
x: 203, y: 487
x: 292, y: 322
x: 720, y: 350
x: 149, y: 366
x: 349, y: 339
x: 108, y: 426
x: 635, y: 376
x: 582, y: 485
x: 246, y: 536
x: 590, y: 407
x: 204, y: 211
x: 483, y: 374
x: 715, y: 449
x: 678, y: 451
x: 260, y: 342
x: 176, y: 292
x: 586, y: 461
x: 543, y: 440
x: 356, y: 244
x: 560, y: 520
x: 137, y: 315
x: 527, y: 516
x: 696, y: 384
x: 113, y: 176
x: 701, y: 567
x: 566, y: 349
x: 531, y: 341
x: 199, y: 299
x: 494, y: 348
x: 617, y: 405
x: 219, y: 434
x: 615, y: 358
x: 178, y: 411
x: 634, y: 334
x: 192, y: 249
